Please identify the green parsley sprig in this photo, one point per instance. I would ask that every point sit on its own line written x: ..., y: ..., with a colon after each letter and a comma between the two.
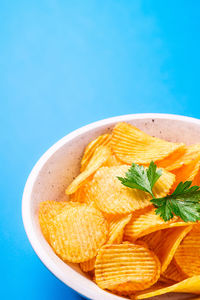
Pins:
x: 140, y: 178
x: 184, y: 202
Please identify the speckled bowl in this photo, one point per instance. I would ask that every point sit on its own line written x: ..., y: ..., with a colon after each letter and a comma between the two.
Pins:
x: 58, y: 166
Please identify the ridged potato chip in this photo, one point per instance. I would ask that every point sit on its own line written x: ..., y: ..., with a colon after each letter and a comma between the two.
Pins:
x: 100, y: 156
x: 78, y: 232
x: 169, y: 162
x: 101, y: 140
x: 113, y: 161
x: 163, y: 279
x: 190, y: 285
x: 164, y: 243
x: 126, y: 268
x: 89, y: 265
x: 181, y: 158
x: 196, y: 227
x: 174, y: 273
x: 187, y: 172
x: 116, y: 228
x: 146, y: 221
x: 47, y: 211
x: 112, y: 197
x: 187, y: 256
x: 82, y: 195
x: 133, y: 145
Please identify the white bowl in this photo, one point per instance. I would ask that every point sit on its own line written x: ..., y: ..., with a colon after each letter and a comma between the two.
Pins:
x: 58, y: 166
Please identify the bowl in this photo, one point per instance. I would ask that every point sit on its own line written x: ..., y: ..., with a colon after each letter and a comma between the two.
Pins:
x: 60, y: 164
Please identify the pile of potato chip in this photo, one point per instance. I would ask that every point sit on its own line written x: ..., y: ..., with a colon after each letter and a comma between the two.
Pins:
x: 112, y: 231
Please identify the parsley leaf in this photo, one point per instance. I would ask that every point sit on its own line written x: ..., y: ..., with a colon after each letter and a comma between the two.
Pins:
x: 184, y: 202
x: 140, y: 178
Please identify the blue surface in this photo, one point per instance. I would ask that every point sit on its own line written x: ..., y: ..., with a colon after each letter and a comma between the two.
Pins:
x: 64, y: 64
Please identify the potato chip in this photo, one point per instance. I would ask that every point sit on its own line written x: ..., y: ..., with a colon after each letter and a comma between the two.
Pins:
x: 100, y: 156
x: 174, y: 273
x: 196, y: 227
x: 113, y: 161
x: 146, y: 221
x: 101, y: 140
x: 187, y: 172
x: 82, y: 195
x: 169, y: 162
x: 181, y: 158
x: 187, y: 256
x: 190, y: 285
x: 133, y: 145
x: 126, y: 268
x: 112, y: 197
x: 47, y: 211
x: 164, y: 243
x: 116, y: 228
x: 88, y: 266
x: 78, y: 232
x: 119, y: 238
x: 166, y: 280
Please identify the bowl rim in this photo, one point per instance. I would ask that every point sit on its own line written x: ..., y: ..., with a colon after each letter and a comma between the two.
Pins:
x: 26, y: 198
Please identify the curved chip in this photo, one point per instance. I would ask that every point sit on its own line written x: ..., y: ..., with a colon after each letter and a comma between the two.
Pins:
x: 126, y: 268
x: 116, y: 228
x: 89, y: 265
x: 112, y: 197
x: 82, y: 195
x: 181, y: 158
x: 47, y: 211
x: 113, y: 161
x: 190, y: 285
x: 166, y: 280
x: 164, y: 243
x: 133, y: 145
x: 78, y: 232
x: 100, y: 156
x: 146, y: 221
x: 101, y: 140
x: 174, y: 273
x: 169, y: 162
x: 187, y: 172
x: 187, y: 256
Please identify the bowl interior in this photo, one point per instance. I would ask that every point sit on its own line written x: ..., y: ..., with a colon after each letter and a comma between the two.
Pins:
x: 59, y: 168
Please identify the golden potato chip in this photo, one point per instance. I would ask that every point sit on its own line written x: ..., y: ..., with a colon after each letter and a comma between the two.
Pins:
x: 47, y: 211
x: 187, y: 172
x: 113, y: 161
x: 174, y: 273
x: 119, y: 238
x: 166, y: 280
x: 126, y: 268
x: 100, y: 156
x: 101, y: 140
x: 164, y: 243
x: 187, y: 256
x: 78, y: 232
x: 116, y: 228
x: 146, y: 221
x: 181, y: 158
x: 169, y: 162
x: 112, y: 197
x: 133, y: 145
x: 196, y: 227
x: 190, y: 285
x: 88, y: 266
x: 82, y: 195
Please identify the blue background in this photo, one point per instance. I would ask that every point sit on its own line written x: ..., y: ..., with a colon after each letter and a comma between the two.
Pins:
x: 64, y: 64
